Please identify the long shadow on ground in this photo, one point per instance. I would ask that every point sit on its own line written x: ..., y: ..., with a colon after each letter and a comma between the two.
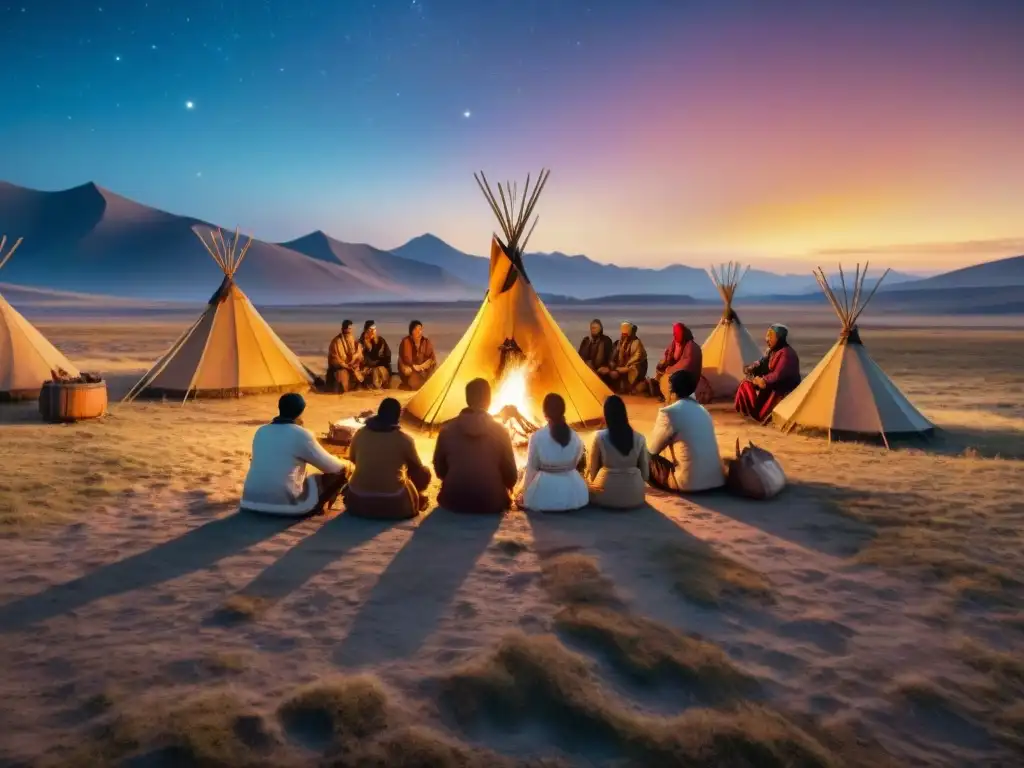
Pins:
x: 418, y: 585
x: 193, y: 551
x: 313, y: 554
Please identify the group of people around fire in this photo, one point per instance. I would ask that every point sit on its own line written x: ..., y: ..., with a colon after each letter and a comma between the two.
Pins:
x: 474, y: 458
x: 623, y: 366
x: 364, y: 362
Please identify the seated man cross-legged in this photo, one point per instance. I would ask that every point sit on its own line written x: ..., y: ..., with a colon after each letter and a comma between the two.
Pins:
x: 277, y: 483
x: 683, y: 446
x: 771, y: 378
x: 389, y: 479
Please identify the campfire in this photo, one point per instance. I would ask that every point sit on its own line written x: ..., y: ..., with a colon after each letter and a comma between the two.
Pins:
x: 511, y: 403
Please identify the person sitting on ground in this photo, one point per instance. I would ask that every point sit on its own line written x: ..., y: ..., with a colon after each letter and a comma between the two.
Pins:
x: 553, y: 481
x: 683, y: 446
x: 473, y: 458
x: 596, y: 349
x: 277, y: 482
x: 682, y: 354
x: 389, y: 479
x: 771, y: 378
x: 618, y: 465
x: 376, y: 357
x: 416, y: 359
x: 629, y: 361
x: 345, y: 368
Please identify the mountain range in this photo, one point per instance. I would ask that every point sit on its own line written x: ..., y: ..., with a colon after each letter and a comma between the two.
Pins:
x: 88, y: 239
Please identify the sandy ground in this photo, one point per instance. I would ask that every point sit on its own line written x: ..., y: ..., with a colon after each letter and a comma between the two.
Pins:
x: 873, y: 609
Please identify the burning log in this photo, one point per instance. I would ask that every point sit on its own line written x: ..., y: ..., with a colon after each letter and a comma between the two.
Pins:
x: 63, y: 377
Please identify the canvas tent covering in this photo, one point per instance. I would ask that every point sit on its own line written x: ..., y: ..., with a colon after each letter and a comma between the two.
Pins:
x: 230, y: 350
x: 847, y: 393
x: 27, y: 359
x: 512, y: 312
x: 729, y: 347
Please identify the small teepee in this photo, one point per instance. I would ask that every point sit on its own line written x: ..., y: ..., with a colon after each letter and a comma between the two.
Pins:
x: 513, y: 342
x: 729, y: 347
x: 27, y: 359
x: 230, y: 350
x: 847, y: 392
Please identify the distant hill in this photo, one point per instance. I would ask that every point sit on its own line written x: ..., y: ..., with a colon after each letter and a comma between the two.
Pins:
x: 559, y: 274
x: 384, y: 266
x: 90, y: 240
x: 1007, y: 300
x: 991, y: 274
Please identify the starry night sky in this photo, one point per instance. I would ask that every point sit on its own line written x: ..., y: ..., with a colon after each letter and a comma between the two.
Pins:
x: 676, y: 130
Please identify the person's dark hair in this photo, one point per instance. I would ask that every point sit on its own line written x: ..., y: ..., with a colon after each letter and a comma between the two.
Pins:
x: 683, y: 384
x: 345, y: 325
x: 478, y: 394
x: 291, y: 405
x: 389, y: 411
x: 414, y: 325
x: 620, y: 433
x: 554, y: 412
x: 368, y: 325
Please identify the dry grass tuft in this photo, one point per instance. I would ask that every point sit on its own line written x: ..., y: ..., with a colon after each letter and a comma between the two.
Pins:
x: 212, y: 728
x: 340, y: 708
x: 238, y: 608
x: 707, y: 577
x: 576, y: 579
x: 651, y: 652
x: 537, y: 677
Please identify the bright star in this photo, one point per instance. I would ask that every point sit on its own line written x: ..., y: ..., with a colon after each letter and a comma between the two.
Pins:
x: 467, y: 113
x: 117, y: 58
x: 189, y: 105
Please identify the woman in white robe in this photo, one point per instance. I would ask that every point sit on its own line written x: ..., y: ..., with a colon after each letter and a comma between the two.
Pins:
x: 553, y: 481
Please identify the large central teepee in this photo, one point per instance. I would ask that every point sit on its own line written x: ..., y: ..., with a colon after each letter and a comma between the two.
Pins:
x: 847, y: 393
x: 729, y: 347
x: 27, y: 359
x: 230, y: 350
x: 513, y: 334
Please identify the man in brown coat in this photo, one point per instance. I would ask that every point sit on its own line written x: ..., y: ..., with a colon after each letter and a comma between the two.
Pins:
x: 474, y: 459
x: 345, y: 367
x: 416, y: 359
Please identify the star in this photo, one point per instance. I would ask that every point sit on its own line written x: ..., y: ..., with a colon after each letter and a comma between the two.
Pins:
x: 189, y: 105
x: 117, y: 58
x: 467, y: 113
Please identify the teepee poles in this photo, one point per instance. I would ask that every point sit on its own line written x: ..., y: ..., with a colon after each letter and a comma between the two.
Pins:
x: 852, y: 305
x: 727, y: 278
x: 227, y: 254
x: 513, y: 223
x: 4, y: 258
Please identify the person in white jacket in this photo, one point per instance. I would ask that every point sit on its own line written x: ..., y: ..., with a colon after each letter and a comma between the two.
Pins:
x: 553, y: 481
x: 277, y: 483
x: 683, y: 446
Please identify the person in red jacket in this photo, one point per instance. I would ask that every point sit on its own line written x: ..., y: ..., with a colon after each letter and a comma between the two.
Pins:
x: 682, y: 354
x: 769, y: 379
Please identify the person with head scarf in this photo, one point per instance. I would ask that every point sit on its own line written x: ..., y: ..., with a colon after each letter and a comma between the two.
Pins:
x: 553, y: 481
x: 629, y: 361
x: 277, y: 482
x: 769, y: 379
x: 345, y: 367
x: 682, y: 354
x: 389, y: 480
x: 596, y: 349
x: 618, y: 465
x: 376, y: 357
x: 683, y: 445
x: 416, y: 358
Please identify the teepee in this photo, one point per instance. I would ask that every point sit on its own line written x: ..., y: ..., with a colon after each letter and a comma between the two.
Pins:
x: 729, y: 347
x: 847, y: 392
x: 230, y: 350
x: 513, y: 342
x: 27, y: 359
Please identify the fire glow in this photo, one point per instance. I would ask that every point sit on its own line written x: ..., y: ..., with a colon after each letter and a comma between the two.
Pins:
x: 511, y: 405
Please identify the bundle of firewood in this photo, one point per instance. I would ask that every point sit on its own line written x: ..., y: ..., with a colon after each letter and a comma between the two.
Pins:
x: 63, y: 377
